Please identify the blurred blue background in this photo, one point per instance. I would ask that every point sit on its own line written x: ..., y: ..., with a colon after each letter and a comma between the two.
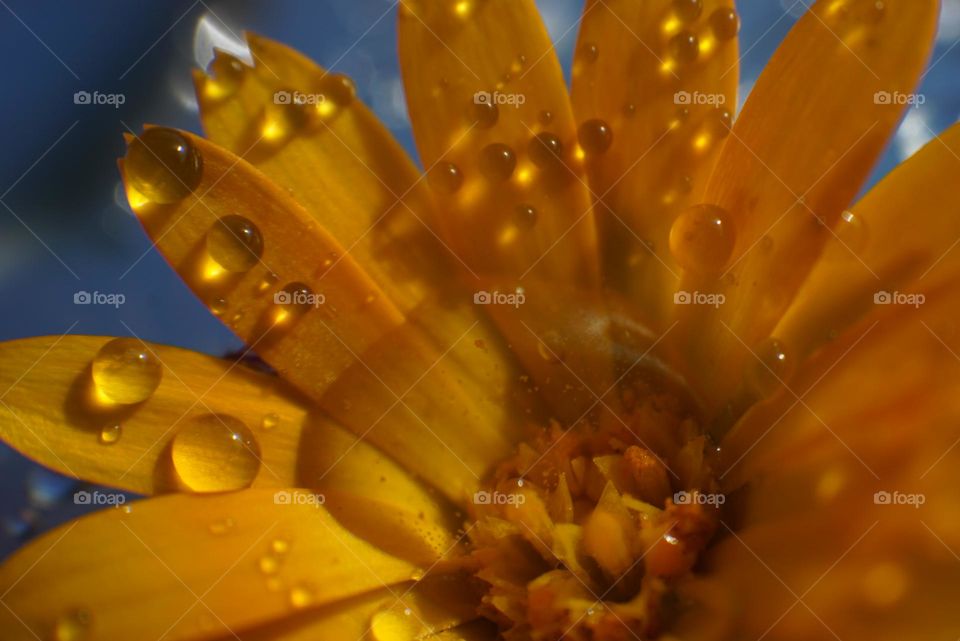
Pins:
x: 64, y: 225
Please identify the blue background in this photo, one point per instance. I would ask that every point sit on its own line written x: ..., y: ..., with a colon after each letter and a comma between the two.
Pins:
x: 66, y: 227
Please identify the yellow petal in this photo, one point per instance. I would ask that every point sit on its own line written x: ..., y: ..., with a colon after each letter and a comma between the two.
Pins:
x: 810, y: 131
x: 54, y: 412
x: 898, y: 240
x: 464, y: 60
x: 327, y: 328
x: 669, y: 117
x: 189, y: 567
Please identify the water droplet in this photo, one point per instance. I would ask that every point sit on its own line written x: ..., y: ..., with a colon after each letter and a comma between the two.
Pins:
x: 110, y: 434
x: 337, y: 89
x: 546, y: 150
x: 720, y: 122
x: 545, y: 117
x: 280, y: 546
x: 684, y: 47
x: 163, y: 165
x: 497, y: 162
x: 688, y: 10
x: 227, y: 73
x: 391, y: 626
x: 483, y: 112
x: 629, y: 110
x: 235, y: 243
x: 446, y: 177
x: 595, y: 136
x: 285, y: 114
x: 269, y: 565
x: 72, y: 627
x: 301, y: 596
x: 267, y: 283
x: 770, y: 365
x: 525, y: 216
x: 590, y: 52
x: 216, y: 453
x: 725, y: 23
x: 702, y: 238
x: 270, y: 421
x: 293, y: 301
x: 125, y: 371
x: 222, y: 526
x: 851, y: 233
x: 219, y: 306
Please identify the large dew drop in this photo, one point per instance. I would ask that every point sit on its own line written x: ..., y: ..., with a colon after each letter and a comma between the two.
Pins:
x: 235, y: 243
x: 702, y: 238
x: 126, y: 372
x: 163, y: 165
x: 216, y: 453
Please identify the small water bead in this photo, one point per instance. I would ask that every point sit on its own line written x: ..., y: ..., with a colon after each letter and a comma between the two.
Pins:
x: 284, y: 115
x: 525, y: 216
x: 630, y: 110
x: 235, y: 243
x: 126, y: 372
x: 74, y: 626
x: 545, y: 149
x: 446, y: 177
x: 337, y: 89
x: 110, y: 434
x: 483, y: 112
x: 595, y: 136
x: 219, y: 306
x: 301, y: 596
x: 221, y: 527
x: 851, y: 233
x: 684, y: 47
x: 497, y: 162
x: 590, y: 52
x: 702, y: 238
x: 216, y: 453
x: 163, y: 165
x: 545, y: 118
x: 392, y: 626
x: 720, y: 122
x: 770, y: 365
x: 293, y: 301
x: 270, y: 421
x: 280, y: 546
x: 725, y: 23
x: 688, y: 10
x: 267, y: 283
x: 227, y: 73
x: 269, y: 565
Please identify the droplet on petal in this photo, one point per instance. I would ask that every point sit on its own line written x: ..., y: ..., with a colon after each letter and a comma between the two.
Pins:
x: 337, y: 89
x: 702, y: 238
x: 497, y: 162
x: 227, y: 73
x: 270, y: 421
x: 851, y: 233
x: 446, y: 177
x: 483, y: 112
x: 215, y: 453
x: 545, y: 149
x: 110, y: 434
x: 688, y: 10
x: 595, y: 136
x: 74, y: 626
x: 684, y: 47
x: 235, y: 243
x: 590, y: 52
x: 392, y: 626
x: 725, y: 23
x: 125, y: 371
x: 525, y: 216
x: 769, y: 368
x: 163, y: 165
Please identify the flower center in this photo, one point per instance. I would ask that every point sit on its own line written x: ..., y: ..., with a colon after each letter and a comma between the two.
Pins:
x: 583, y: 531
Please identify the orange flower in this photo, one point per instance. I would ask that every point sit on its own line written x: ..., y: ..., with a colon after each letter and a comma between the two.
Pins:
x: 614, y: 366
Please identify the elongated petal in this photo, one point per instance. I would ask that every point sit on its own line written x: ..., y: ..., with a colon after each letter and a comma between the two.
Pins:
x: 353, y: 177
x: 485, y: 73
x: 810, y: 131
x: 669, y: 116
x: 327, y: 328
x: 55, y: 413
x: 900, y: 239
x: 188, y: 567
